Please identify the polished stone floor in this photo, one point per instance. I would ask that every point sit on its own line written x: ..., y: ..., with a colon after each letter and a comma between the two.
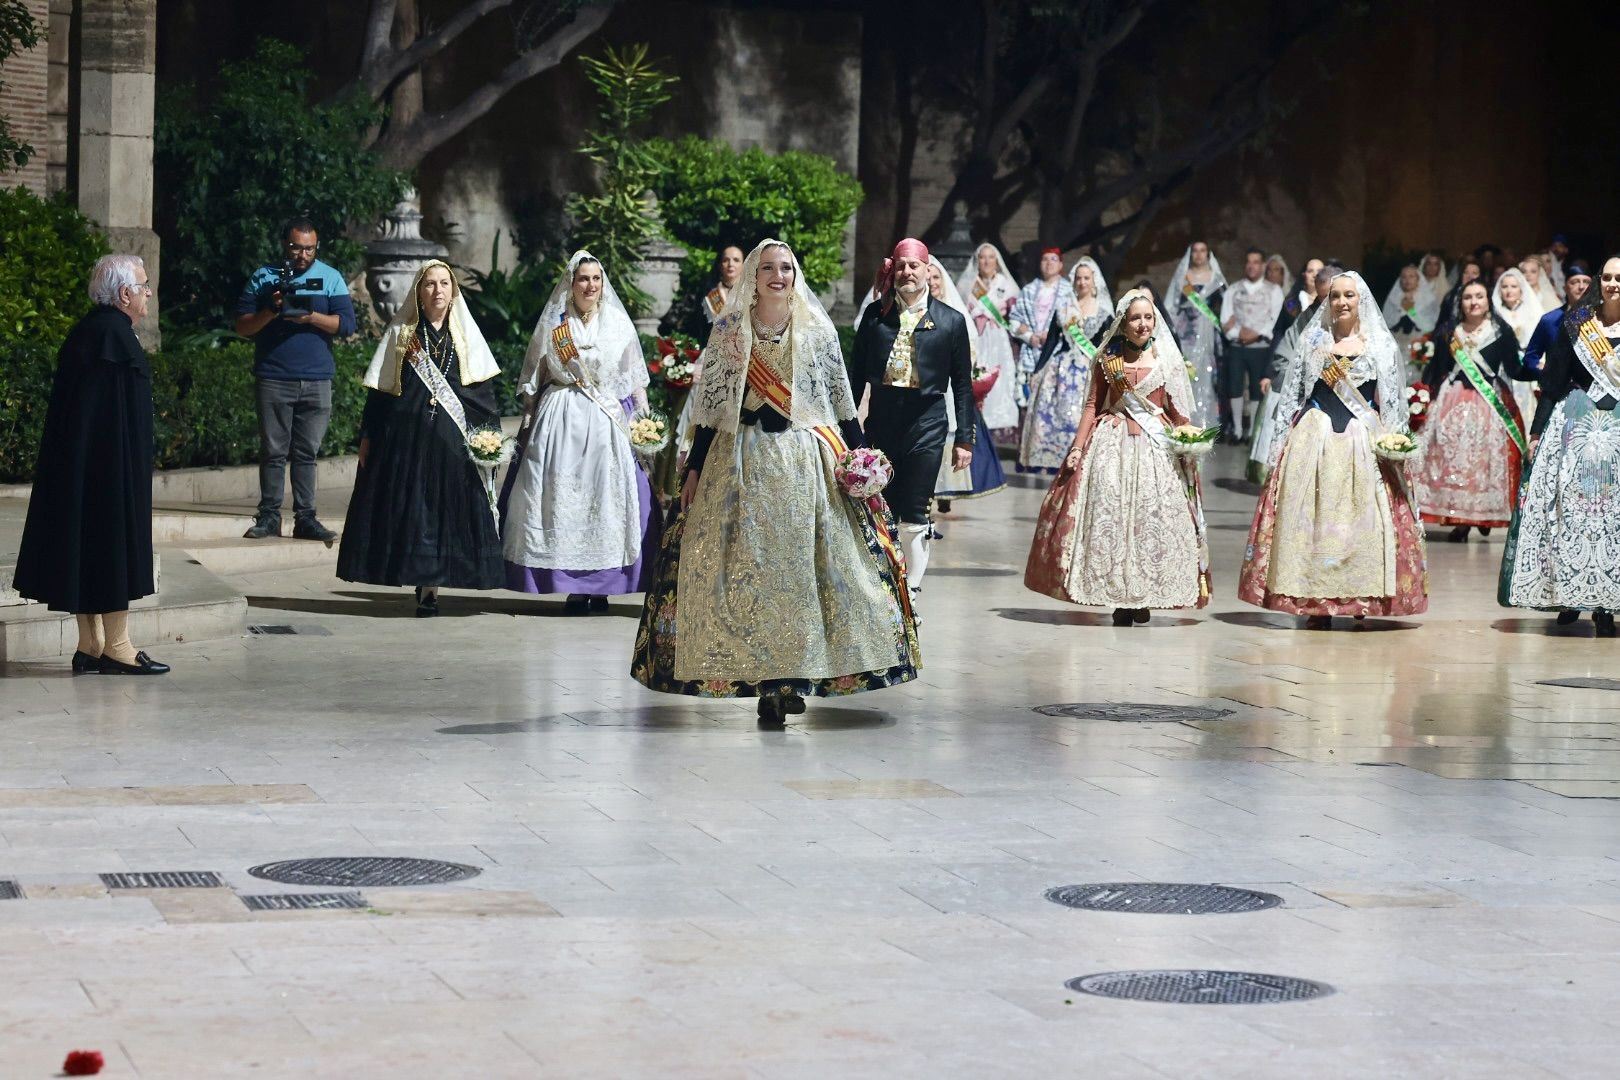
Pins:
x: 667, y: 891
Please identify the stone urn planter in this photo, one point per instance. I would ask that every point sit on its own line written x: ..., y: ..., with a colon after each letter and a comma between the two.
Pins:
x: 660, y: 276
x: 393, y: 259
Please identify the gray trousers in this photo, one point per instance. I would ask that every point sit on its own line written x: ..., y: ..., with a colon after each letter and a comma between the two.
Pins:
x: 293, y: 414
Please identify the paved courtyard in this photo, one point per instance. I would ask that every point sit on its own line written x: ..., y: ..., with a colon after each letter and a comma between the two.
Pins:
x: 665, y: 890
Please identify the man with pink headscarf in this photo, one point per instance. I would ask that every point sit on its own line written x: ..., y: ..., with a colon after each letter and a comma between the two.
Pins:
x: 912, y: 350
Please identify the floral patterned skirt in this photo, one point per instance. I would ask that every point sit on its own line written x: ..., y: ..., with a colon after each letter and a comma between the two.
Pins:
x: 1334, y: 532
x: 1563, y: 549
x: 1120, y: 530
x: 773, y: 583
x: 1469, y: 472
x: 1057, y: 396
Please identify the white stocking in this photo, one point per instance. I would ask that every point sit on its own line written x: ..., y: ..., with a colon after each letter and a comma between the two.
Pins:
x: 1237, y: 416
x: 916, y: 542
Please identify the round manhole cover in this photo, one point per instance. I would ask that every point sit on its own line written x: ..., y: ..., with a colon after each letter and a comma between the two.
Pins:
x: 367, y: 871
x: 1162, y: 898
x: 1132, y: 711
x: 1193, y: 987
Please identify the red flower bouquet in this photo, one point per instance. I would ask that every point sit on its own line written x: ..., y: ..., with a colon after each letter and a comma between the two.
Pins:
x: 1417, y: 404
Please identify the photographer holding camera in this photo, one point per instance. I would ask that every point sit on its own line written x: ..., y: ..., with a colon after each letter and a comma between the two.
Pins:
x: 292, y: 311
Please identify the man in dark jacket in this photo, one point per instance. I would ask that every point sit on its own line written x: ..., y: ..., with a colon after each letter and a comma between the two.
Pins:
x: 909, y: 349
x: 87, y: 544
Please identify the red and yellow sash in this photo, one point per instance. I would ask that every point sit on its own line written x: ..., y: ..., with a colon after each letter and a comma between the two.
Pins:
x: 769, y: 385
x: 562, y: 339
x: 716, y: 301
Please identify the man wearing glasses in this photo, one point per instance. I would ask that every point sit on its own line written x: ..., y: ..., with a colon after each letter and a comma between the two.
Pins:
x: 292, y: 331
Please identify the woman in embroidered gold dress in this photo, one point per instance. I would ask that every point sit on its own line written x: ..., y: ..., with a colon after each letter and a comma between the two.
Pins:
x: 773, y: 583
x: 1335, y: 532
x: 1122, y: 525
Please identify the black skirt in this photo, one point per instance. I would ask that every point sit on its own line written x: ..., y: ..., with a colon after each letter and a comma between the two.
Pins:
x: 420, y: 514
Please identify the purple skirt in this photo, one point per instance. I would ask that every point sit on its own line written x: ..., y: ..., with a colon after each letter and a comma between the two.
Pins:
x: 611, y: 582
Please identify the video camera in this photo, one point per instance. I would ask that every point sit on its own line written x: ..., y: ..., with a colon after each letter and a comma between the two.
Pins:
x: 289, y: 289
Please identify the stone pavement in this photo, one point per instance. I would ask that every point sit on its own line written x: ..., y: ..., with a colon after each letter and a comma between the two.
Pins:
x: 667, y: 891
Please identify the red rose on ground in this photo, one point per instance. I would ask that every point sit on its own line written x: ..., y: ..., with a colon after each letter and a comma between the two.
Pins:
x: 83, y: 1063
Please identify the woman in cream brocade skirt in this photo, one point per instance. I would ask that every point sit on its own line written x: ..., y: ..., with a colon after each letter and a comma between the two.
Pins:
x: 777, y: 581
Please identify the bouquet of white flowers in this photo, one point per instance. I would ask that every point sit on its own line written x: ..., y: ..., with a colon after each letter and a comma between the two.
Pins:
x: 1190, y: 440
x: 649, y: 433
x: 1394, y: 446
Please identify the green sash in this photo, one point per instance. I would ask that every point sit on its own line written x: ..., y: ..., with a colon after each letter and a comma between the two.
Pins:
x: 1201, y: 304
x: 995, y: 312
x: 1077, y: 334
x: 1483, y: 385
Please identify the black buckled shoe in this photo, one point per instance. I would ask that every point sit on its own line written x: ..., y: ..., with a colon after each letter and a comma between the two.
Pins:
x: 143, y: 665
x: 427, y: 602
x: 264, y: 525
x: 310, y: 528
x: 85, y: 664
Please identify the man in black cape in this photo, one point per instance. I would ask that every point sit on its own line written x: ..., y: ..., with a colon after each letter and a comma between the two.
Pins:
x: 910, y: 349
x: 87, y: 544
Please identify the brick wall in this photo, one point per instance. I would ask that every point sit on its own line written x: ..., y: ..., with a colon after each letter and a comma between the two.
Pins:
x: 23, y: 101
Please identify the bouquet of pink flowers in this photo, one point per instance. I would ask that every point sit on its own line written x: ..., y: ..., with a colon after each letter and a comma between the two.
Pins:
x: 863, y: 472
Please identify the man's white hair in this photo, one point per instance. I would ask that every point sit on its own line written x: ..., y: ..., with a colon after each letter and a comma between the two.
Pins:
x: 110, y: 275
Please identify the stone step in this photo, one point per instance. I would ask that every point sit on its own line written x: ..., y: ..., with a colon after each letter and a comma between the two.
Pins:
x: 239, y: 556
x: 174, y: 525
x: 194, y: 605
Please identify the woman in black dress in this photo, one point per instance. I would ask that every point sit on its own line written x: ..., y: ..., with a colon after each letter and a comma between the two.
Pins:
x: 421, y: 514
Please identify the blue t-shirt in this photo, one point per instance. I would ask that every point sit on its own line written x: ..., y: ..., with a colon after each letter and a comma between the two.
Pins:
x: 289, y: 350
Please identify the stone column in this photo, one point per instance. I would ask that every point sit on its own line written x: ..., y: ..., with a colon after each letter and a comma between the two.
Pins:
x: 117, y: 80
x: 23, y: 103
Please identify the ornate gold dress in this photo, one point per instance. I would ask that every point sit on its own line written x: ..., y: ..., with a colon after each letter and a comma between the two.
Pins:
x: 773, y: 582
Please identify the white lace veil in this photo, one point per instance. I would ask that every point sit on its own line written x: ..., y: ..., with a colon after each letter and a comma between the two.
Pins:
x: 1287, y: 285
x: 616, y: 365
x: 1179, y: 278
x: 821, y: 396
x: 1105, y: 300
x: 1168, y: 358
x: 475, y: 362
x: 1380, y: 360
x: 1003, y: 283
x: 1424, y: 302
x: 1522, y: 319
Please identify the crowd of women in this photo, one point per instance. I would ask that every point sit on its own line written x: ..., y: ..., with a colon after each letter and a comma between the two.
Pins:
x: 771, y: 576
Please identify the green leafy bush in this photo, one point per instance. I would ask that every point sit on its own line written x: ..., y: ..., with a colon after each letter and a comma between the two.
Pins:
x: 231, y: 170
x: 202, y: 405
x: 712, y: 195
x: 48, y: 248
x: 616, y: 224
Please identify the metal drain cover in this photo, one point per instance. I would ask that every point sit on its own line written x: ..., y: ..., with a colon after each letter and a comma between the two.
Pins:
x: 1162, y: 898
x: 164, y: 879
x: 268, y: 628
x: 365, y: 871
x: 304, y: 901
x: 1582, y: 683
x: 1193, y: 987
x: 1133, y: 712
x: 10, y: 890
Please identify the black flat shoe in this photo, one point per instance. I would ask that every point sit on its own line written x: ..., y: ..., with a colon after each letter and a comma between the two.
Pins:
x: 143, y: 665
x: 770, y: 712
x: 1319, y: 622
x: 1141, y: 615
x: 577, y: 604
x: 1604, y: 621
x: 85, y: 664
x: 1459, y: 535
x: 1564, y: 619
x: 599, y: 603
x: 792, y: 705
x: 1123, y: 616
x: 426, y: 606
